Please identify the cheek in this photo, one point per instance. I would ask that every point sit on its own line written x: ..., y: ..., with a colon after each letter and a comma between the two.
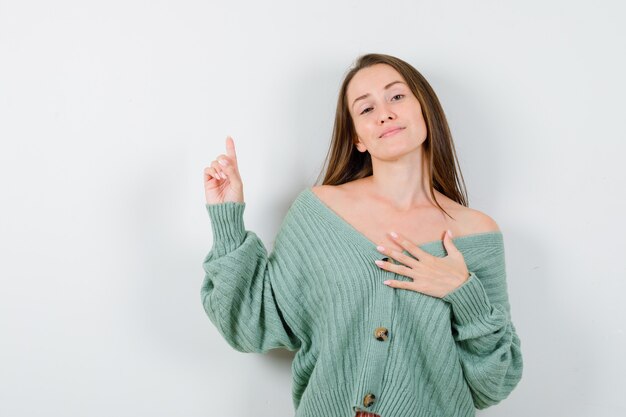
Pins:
x: 360, y: 127
x: 419, y: 120
x: 422, y: 122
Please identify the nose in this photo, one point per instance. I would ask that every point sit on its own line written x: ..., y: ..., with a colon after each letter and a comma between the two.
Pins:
x: 385, y: 115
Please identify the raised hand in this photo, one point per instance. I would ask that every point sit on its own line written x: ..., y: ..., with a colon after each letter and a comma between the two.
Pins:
x: 222, y: 181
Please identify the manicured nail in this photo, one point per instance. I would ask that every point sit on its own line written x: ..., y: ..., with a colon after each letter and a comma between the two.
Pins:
x: 380, y: 248
x: 394, y: 235
x: 386, y: 282
x: 223, y: 162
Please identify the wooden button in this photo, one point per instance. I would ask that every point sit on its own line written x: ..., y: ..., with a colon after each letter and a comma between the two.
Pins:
x: 369, y: 399
x: 381, y: 333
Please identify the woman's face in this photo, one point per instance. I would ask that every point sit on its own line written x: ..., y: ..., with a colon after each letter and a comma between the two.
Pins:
x: 378, y: 100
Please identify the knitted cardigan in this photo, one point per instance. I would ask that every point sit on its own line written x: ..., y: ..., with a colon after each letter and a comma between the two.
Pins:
x: 362, y: 345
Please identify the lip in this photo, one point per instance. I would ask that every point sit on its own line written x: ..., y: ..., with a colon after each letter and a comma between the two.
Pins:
x: 391, y: 131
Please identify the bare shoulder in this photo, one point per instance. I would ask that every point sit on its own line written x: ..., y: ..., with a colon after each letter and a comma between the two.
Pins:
x: 331, y: 193
x: 476, y: 221
x: 342, y: 196
x: 319, y: 189
x: 467, y: 220
x: 323, y: 191
x: 347, y: 189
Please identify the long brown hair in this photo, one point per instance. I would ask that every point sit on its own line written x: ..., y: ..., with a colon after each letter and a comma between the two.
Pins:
x: 345, y: 163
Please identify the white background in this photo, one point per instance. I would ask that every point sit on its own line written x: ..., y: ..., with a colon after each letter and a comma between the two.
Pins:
x: 109, y: 111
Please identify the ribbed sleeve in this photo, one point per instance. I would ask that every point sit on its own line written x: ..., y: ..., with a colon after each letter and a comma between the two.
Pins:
x: 487, y: 343
x: 237, y: 292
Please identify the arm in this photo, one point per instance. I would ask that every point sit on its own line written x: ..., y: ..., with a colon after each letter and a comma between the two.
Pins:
x: 488, y: 345
x: 238, y: 291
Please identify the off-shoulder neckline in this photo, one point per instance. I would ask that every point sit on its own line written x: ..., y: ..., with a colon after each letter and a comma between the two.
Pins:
x: 350, y: 232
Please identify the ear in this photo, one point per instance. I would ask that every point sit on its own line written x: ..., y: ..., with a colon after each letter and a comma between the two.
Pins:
x: 359, y: 146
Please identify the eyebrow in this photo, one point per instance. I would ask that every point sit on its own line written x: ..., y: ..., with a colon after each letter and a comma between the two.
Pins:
x: 367, y: 95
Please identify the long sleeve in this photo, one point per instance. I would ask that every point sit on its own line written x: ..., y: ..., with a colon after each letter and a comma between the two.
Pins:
x: 237, y: 292
x: 488, y: 345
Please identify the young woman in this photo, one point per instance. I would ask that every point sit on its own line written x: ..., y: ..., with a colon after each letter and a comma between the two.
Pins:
x: 390, y: 288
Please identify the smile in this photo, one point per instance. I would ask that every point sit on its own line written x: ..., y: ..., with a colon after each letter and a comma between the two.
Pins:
x: 391, y: 133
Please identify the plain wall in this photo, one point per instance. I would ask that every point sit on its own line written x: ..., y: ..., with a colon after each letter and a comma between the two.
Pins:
x: 109, y: 112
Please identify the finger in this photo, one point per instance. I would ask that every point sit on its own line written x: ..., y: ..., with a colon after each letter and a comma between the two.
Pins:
x: 224, y: 160
x: 218, y: 168
x: 448, y: 242
x: 212, y: 174
x: 411, y: 247
x: 397, y: 268
x: 230, y: 148
x: 404, y: 285
x: 209, y: 173
x: 398, y: 256
x: 225, y: 165
x: 219, y: 175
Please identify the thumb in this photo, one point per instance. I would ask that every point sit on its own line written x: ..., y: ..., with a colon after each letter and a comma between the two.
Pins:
x: 230, y: 149
x: 447, y: 240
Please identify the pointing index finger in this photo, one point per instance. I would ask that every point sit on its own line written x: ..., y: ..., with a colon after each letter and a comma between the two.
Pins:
x: 230, y: 148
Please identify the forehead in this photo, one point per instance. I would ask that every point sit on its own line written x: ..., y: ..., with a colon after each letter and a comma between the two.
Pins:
x: 372, y: 78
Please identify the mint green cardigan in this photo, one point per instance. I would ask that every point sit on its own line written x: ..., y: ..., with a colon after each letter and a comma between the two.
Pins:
x: 361, y: 345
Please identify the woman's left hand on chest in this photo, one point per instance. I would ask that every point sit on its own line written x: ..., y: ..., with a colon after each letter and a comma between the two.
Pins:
x: 430, y: 275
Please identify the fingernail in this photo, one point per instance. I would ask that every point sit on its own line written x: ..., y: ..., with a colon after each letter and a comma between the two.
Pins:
x: 380, y: 248
x: 449, y: 233
x: 394, y: 234
x: 223, y: 162
x: 386, y: 282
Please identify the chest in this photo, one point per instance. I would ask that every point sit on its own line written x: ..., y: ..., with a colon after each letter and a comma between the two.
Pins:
x: 375, y: 223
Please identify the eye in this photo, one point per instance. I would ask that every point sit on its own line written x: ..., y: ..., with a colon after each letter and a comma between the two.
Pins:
x: 397, y: 95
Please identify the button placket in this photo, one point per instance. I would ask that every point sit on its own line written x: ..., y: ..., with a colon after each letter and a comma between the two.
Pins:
x: 369, y: 385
